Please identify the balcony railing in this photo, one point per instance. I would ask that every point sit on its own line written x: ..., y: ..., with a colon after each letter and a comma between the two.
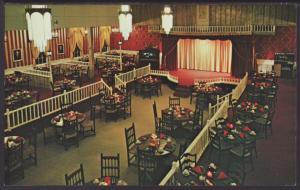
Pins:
x: 217, y: 30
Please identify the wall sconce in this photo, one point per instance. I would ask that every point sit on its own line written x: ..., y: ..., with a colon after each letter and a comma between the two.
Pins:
x: 167, y: 19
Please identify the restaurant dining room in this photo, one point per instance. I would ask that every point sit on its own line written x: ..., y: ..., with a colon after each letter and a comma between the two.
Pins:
x: 160, y: 94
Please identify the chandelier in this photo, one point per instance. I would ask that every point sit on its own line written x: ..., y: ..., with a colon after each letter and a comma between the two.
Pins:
x: 38, y: 19
x: 125, y: 21
x: 167, y: 19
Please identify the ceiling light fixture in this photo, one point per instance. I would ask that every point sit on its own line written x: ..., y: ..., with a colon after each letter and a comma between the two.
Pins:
x: 39, y: 25
x: 167, y: 19
x: 125, y: 21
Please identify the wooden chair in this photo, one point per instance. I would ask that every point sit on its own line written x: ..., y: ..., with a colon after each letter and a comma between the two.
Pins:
x: 55, y: 89
x: 125, y: 109
x: 130, y: 144
x: 147, y: 167
x: 243, y: 153
x: 154, y: 111
x: 66, y: 105
x: 174, y: 101
x: 88, y: 127
x: 168, y: 123
x: 193, y: 94
x: 70, y: 133
x: 146, y: 90
x: 218, y: 144
x: 263, y: 124
x: 76, y: 178
x: 195, y: 126
x: 182, y: 148
x: 30, y: 146
x: 100, y: 104
x: 14, y: 167
x: 110, y: 109
x: 186, y: 160
x: 110, y: 167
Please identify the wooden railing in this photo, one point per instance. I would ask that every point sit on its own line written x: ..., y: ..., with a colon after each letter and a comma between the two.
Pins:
x: 198, y: 145
x: 32, y: 112
x: 236, y: 93
x: 124, y: 78
x: 202, y: 140
x: 39, y: 78
x: 217, y: 30
x: 119, y: 83
x: 227, y: 80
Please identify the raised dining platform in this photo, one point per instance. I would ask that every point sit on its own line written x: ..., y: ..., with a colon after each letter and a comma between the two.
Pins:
x: 186, y: 77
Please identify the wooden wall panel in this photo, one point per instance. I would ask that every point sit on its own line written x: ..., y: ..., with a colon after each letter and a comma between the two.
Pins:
x: 245, y: 14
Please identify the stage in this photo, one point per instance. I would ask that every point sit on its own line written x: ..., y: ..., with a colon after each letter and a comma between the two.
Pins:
x: 186, y: 77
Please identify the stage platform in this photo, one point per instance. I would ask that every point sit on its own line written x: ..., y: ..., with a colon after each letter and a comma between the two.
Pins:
x: 186, y: 77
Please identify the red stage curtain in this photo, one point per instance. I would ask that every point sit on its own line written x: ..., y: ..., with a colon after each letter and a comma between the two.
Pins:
x: 169, y: 52
x: 205, y: 55
x: 243, y: 54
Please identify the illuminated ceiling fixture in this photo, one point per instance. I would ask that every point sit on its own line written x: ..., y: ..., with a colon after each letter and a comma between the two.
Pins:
x: 39, y: 25
x: 125, y: 21
x: 167, y: 19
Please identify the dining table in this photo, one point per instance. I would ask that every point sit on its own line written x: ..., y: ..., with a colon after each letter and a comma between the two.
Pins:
x: 148, y: 80
x: 181, y: 114
x: 235, y: 132
x: 118, y: 98
x: 161, y: 143
x: 11, y: 141
x: 19, y: 98
x: 14, y: 79
x: 65, y: 84
x: 58, y: 121
x: 253, y: 108
x: 106, y: 181
x: 211, y: 175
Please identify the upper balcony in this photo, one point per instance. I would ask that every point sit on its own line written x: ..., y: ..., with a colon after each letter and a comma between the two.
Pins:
x: 217, y: 30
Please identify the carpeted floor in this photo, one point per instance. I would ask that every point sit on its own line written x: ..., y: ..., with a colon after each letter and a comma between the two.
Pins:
x: 276, y: 162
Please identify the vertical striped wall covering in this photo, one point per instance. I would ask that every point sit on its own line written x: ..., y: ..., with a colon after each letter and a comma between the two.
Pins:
x: 96, y: 37
x: 17, y: 39
x: 61, y: 39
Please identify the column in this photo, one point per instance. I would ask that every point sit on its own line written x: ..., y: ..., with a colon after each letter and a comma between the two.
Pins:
x: 91, y: 53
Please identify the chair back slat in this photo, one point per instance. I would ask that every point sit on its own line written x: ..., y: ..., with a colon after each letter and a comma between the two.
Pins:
x: 186, y: 160
x: 147, y: 166
x: 76, y: 178
x: 174, y: 101
x: 110, y: 167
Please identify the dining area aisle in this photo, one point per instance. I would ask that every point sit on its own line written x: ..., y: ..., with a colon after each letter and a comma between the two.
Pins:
x: 276, y: 162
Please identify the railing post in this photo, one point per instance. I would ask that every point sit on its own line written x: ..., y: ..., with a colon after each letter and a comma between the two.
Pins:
x: 7, y: 117
x: 149, y: 68
x: 134, y: 73
x: 209, y: 110
x: 65, y: 96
